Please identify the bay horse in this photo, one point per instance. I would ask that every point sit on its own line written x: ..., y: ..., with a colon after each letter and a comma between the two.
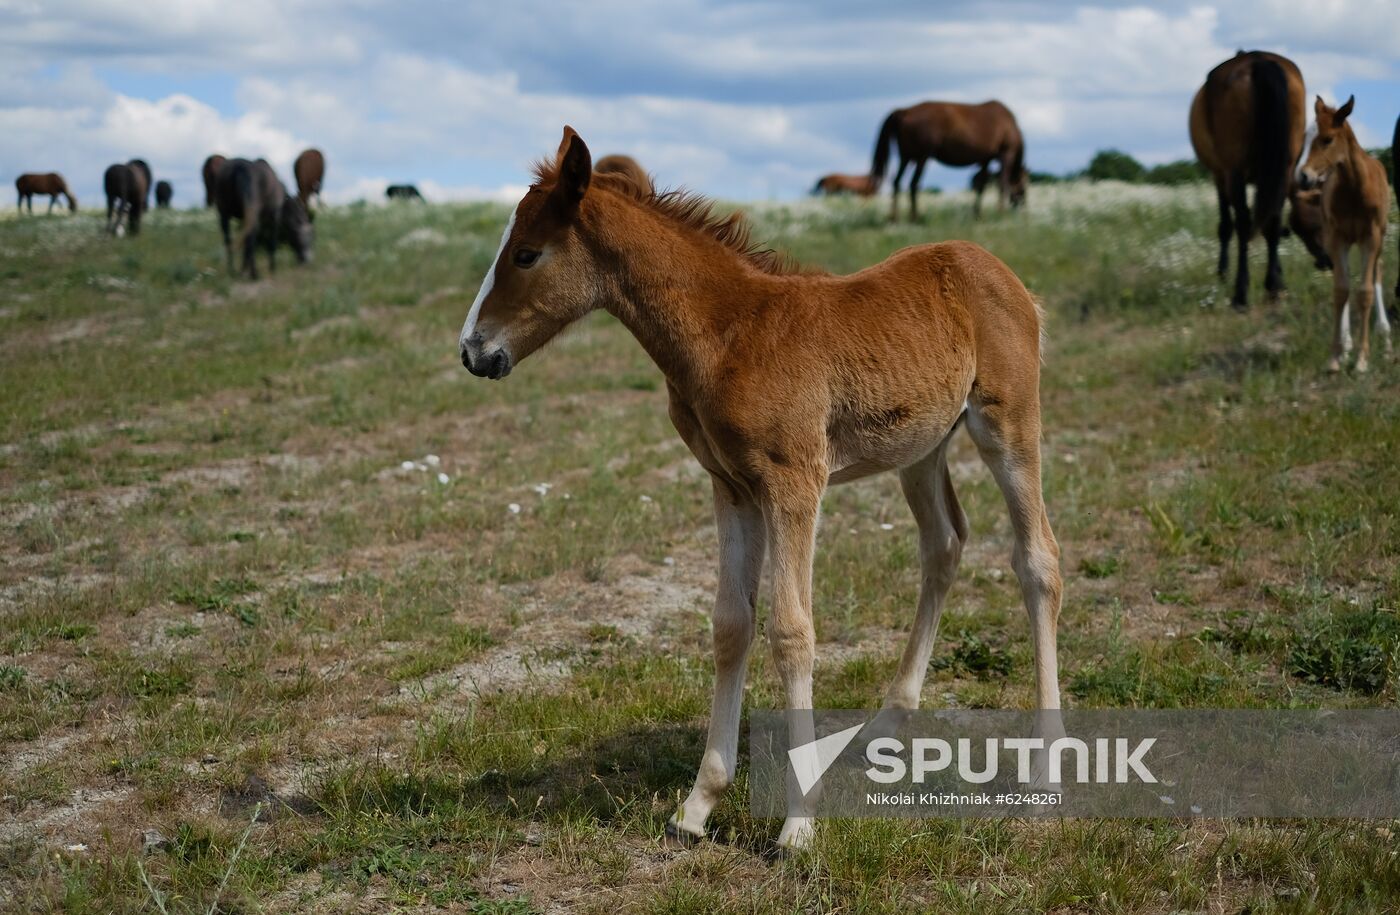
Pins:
x: 628, y: 168
x: 1355, y: 209
x: 308, y: 170
x: 402, y: 192
x: 837, y: 183
x: 140, y: 165
x: 163, y: 194
x: 251, y: 193
x: 125, y: 186
x: 50, y: 183
x: 954, y: 134
x: 783, y: 382
x: 1395, y: 179
x: 1246, y: 124
x: 210, y: 173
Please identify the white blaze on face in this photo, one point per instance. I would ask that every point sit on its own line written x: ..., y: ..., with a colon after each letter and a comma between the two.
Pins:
x: 1307, y: 148
x: 485, y: 289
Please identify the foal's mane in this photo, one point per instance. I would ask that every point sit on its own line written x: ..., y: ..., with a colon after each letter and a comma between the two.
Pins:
x: 692, y: 211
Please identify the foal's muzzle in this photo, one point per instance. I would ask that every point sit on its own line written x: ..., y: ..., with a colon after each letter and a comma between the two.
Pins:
x: 494, y: 365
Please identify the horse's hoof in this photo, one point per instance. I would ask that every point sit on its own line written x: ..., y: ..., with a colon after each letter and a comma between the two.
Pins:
x: 1362, y: 367
x: 1334, y: 366
x: 678, y: 839
x: 1239, y: 306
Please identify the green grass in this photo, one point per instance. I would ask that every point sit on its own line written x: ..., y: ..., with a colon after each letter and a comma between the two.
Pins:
x: 225, y: 589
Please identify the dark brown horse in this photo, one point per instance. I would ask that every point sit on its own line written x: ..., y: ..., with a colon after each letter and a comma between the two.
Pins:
x: 163, y: 194
x: 50, y: 183
x: 210, y: 171
x: 1247, y: 124
x: 1395, y: 183
x: 837, y: 183
x: 402, y: 192
x: 125, y: 186
x: 251, y: 193
x: 628, y: 168
x: 954, y: 134
x: 308, y: 170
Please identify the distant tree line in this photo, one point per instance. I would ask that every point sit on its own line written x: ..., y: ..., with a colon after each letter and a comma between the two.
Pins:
x: 1116, y: 165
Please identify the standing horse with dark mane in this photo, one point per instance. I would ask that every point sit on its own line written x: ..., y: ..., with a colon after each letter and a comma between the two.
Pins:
x: 210, y: 173
x: 784, y: 382
x: 309, y: 170
x: 1355, y: 208
x: 954, y: 134
x: 50, y: 183
x: 125, y: 186
x: 1247, y: 124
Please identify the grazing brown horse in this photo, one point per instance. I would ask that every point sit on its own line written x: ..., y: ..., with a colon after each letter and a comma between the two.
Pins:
x: 837, y: 183
x: 50, y: 183
x: 210, y: 172
x: 402, y: 192
x: 1247, y: 124
x: 308, y: 170
x: 125, y: 186
x: 163, y: 194
x: 1355, y: 208
x: 783, y: 382
x: 140, y: 165
x: 954, y: 134
x: 628, y: 168
x: 251, y: 193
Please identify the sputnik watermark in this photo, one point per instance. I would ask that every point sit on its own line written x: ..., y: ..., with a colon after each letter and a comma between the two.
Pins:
x: 1221, y: 763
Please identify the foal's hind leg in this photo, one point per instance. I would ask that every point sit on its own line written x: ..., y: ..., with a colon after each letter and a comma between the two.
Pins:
x: 1007, y: 434
x: 928, y: 488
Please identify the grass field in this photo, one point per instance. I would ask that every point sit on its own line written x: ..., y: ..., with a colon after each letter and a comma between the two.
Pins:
x: 256, y: 654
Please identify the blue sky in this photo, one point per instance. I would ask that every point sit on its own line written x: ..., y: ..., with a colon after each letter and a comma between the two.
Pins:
x: 740, y: 100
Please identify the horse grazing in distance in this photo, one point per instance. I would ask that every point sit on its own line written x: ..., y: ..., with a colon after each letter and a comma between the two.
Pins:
x: 308, y: 170
x: 627, y: 167
x: 402, y: 192
x: 1247, y: 123
x: 50, y: 183
x: 210, y: 172
x: 251, y: 193
x: 783, y: 382
x: 954, y: 134
x: 837, y: 183
x: 1355, y: 207
x: 125, y: 186
x: 163, y: 194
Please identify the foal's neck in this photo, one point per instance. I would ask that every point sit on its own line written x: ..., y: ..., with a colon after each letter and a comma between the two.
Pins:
x: 677, y: 290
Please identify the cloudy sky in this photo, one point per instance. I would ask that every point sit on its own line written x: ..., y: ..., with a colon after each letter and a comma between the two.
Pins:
x: 742, y: 100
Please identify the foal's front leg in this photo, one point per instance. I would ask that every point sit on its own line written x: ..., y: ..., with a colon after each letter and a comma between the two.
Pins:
x: 790, y: 512
x: 741, y: 547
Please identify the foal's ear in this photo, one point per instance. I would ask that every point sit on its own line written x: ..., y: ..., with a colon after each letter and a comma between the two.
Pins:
x: 1319, y: 106
x: 575, y: 167
x: 1343, y: 111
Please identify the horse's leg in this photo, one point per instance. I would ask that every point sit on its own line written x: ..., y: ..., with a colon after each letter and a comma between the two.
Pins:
x: 1004, y: 182
x: 928, y: 488
x: 914, y: 189
x: 741, y: 549
x: 1226, y: 228
x: 111, y: 207
x: 1341, y: 290
x: 894, y: 194
x: 790, y: 509
x: 1243, y: 229
x: 979, y: 184
x: 1006, y: 428
x: 228, y: 244
x: 1382, y: 321
x: 1273, y: 274
x: 1365, y: 296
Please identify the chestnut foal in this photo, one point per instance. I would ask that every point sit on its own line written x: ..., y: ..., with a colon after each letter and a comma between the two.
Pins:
x: 782, y: 383
x: 1355, y: 206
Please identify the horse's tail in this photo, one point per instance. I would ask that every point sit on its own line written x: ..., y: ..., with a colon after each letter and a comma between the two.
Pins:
x: 881, y: 159
x: 1272, y: 128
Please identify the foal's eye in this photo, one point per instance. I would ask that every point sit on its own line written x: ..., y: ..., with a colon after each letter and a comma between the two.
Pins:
x: 1326, y: 141
x: 525, y: 258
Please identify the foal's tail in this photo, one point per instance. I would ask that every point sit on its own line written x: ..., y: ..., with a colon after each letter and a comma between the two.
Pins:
x: 882, y: 148
x: 1272, y: 128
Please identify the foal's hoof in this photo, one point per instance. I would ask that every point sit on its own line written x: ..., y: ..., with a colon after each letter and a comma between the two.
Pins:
x: 678, y: 838
x: 1362, y: 367
x: 1334, y: 366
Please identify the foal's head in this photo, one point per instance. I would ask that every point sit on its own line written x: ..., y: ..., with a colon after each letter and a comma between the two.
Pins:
x: 543, y: 277
x: 1326, y: 144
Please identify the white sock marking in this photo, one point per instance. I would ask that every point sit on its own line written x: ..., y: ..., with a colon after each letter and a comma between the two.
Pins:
x: 487, y: 282
x: 1382, y: 322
